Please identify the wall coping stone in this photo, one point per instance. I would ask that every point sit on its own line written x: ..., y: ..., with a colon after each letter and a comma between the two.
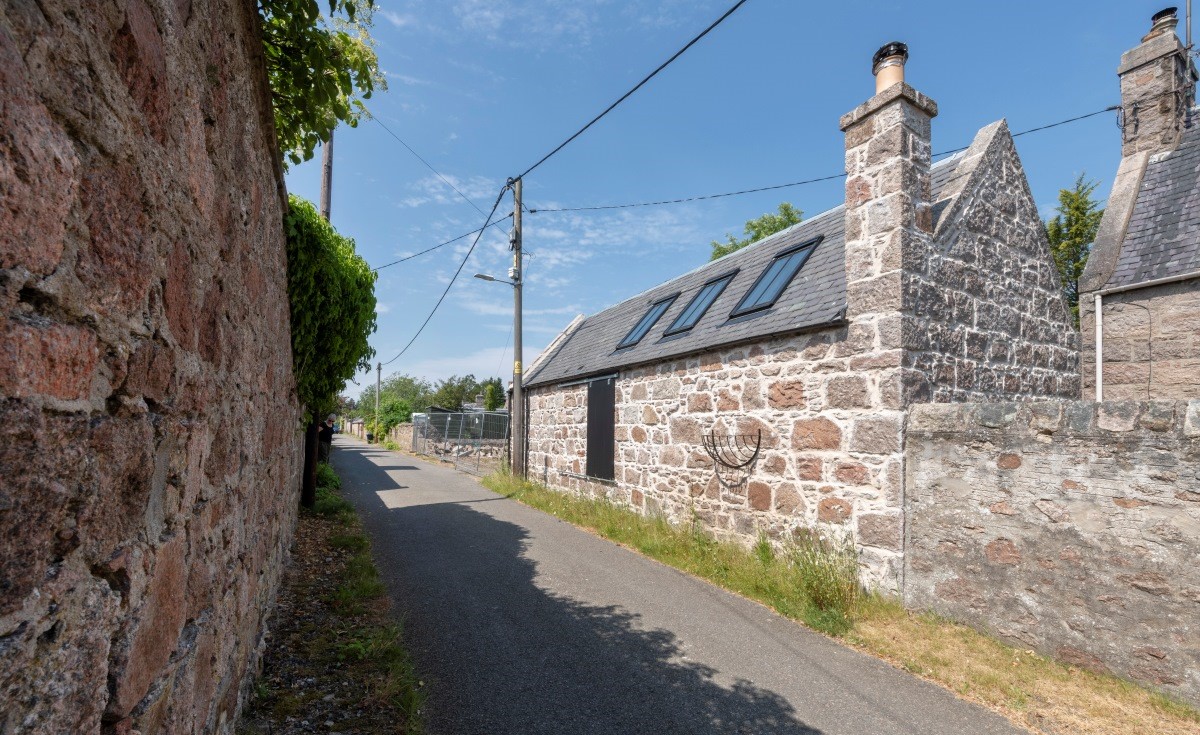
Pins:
x: 1057, y: 416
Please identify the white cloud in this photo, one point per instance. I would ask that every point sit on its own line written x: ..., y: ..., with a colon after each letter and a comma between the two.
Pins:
x: 471, y: 302
x: 400, y: 20
x: 406, y: 79
x: 382, y: 308
x: 525, y: 24
x: 433, y: 190
x: 482, y: 363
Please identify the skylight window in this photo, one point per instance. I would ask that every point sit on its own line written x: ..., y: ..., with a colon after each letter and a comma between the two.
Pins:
x: 770, y: 285
x: 657, y: 309
x: 699, y: 304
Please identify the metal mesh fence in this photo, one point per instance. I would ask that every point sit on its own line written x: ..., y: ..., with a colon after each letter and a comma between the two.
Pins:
x: 475, y: 441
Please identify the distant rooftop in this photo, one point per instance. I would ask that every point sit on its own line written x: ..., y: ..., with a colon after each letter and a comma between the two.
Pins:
x: 1163, y: 238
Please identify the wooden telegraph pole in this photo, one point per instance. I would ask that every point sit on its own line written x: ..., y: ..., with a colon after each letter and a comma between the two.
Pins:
x: 518, y: 407
x: 308, y: 487
x: 327, y: 176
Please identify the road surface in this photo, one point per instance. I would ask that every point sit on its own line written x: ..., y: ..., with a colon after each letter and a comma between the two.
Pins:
x: 522, y: 624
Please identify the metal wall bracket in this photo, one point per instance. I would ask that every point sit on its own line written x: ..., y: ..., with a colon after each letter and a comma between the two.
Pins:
x: 734, y: 451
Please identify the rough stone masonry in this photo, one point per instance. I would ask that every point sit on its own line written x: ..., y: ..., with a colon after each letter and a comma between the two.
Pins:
x: 148, y: 453
x: 1070, y: 527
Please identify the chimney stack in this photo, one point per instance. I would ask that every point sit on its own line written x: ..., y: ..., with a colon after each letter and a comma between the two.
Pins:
x: 1157, y: 88
x: 888, y: 65
x: 887, y: 183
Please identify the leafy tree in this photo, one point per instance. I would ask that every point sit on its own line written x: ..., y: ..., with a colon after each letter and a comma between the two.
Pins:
x: 454, y: 391
x: 1071, y: 233
x: 320, y: 69
x: 393, y: 411
x: 493, y: 394
x: 332, y: 295
x: 757, y: 229
x: 415, y: 392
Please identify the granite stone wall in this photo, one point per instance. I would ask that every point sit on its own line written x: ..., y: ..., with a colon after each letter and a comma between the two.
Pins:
x: 985, y: 316
x: 1151, y: 343
x: 829, y: 458
x: 149, y: 460
x: 1069, y: 527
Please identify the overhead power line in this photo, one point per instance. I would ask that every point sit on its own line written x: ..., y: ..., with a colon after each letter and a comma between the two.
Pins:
x: 428, y: 165
x: 688, y: 199
x: 830, y: 177
x: 478, y: 233
x: 635, y: 88
x: 441, y: 245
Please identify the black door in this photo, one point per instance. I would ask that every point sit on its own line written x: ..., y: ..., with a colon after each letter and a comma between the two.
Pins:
x: 601, y: 414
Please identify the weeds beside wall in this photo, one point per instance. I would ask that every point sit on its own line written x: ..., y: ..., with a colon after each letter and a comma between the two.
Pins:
x: 1069, y: 527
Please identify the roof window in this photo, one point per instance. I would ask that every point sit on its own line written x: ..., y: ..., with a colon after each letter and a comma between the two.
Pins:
x: 771, y: 284
x: 657, y: 309
x: 699, y: 304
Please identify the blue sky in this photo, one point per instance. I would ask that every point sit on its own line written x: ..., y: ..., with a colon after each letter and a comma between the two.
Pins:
x: 484, y: 88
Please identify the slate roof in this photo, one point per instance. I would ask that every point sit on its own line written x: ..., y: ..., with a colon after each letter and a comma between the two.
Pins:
x: 816, y: 297
x: 1163, y: 238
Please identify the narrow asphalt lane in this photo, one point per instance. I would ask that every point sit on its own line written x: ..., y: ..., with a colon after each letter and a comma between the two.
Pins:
x: 522, y: 624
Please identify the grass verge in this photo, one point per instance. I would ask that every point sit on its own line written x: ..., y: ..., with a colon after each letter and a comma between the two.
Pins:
x: 808, y: 582
x: 335, y: 657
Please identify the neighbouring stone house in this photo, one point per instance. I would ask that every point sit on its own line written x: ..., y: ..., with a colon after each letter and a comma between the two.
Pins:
x: 932, y: 283
x: 1144, y: 269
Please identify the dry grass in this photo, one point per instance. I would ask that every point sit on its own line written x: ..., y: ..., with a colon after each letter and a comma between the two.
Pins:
x: 1030, y: 689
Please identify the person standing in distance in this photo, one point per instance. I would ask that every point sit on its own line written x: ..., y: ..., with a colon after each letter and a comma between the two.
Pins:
x: 325, y: 439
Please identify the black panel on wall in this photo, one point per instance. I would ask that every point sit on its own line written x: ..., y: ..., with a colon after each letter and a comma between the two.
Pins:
x: 601, y: 417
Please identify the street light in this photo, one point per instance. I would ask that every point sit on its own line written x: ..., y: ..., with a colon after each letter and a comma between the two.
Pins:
x: 493, y: 279
x: 516, y: 411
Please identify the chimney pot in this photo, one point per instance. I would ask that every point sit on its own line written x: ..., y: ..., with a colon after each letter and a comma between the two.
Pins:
x: 1164, y: 21
x: 888, y: 65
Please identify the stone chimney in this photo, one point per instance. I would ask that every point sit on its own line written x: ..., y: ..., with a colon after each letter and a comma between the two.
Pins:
x: 1157, y: 88
x: 888, y: 209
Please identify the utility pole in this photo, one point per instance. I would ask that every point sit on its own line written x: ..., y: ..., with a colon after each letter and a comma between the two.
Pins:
x: 326, y: 176
x: 518, y: 407
x: 308, y: 483
x: 378, y: 375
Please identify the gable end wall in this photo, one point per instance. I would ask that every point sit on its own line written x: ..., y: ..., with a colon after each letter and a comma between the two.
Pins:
x: 984, y: 315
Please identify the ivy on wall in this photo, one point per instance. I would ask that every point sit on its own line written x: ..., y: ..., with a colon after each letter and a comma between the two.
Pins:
x: 331, y: 291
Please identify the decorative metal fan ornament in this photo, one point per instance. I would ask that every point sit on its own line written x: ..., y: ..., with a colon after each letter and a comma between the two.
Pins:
x: 734, y: 451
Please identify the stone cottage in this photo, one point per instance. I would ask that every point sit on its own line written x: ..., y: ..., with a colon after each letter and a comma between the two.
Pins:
x: 804, y: 351
x: 1140, y: 293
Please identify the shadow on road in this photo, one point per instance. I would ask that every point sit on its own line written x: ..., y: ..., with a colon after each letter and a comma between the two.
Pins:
x: 502, y: 655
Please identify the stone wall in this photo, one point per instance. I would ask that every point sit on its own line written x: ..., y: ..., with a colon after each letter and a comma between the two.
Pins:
x: 1151, y: 343
x: 148, y: 443
x: 829, y: 458
x: 985, y: 315
x: 1069, y: 527
x: 402, y: 434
